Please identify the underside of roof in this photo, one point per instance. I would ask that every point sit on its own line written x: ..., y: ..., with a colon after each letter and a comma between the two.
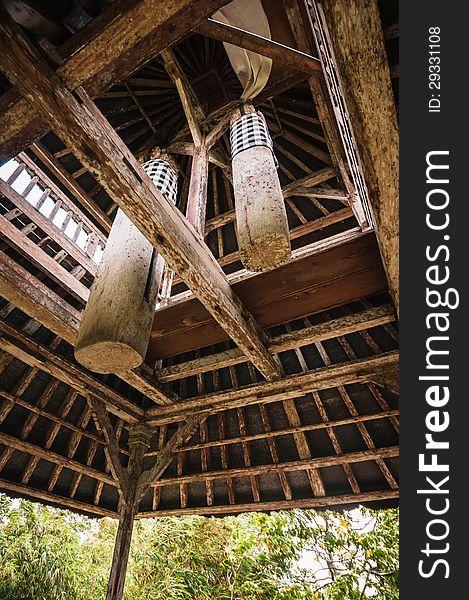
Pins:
x: 223, y: 438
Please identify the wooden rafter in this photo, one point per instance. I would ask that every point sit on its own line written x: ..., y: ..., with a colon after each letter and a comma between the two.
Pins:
x: 97, y: 146
x: 288, y: 341
x: 263, y: 46
x: 354, y: 371
x: 307, y: 503
x: 112, y: 46
x: 37, y: 355
x: 42, y: 304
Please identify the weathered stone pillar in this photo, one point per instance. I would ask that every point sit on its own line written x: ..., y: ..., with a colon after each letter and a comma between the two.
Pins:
x: 262, y: 227
x: 116, y: 325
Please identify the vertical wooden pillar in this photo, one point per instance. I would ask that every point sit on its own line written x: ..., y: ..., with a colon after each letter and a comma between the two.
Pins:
x: 139, y: 441
x: 197, y: 196
x: 262, y: 226
x: 355, y: 35
x: 116, y: 325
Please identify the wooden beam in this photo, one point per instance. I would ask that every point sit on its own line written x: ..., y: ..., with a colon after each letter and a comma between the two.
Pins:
x: 263, y: 46
x: 291, y: 466
x: 72, y: 185
x: 326, y: 275
x: 166, y: 455
x: 20, y: 242
x: 293, y: 386
x: 21, y: 346
x: 56, y: 192
x: 111, y: 448
x: 55, y: 499
x: 305, y: 503
x: 242, y: 439
x: 98, y: 147
x: 48, y: 227
x: 355, y: 34
x: 106, y: 51
x: 38, y: 301
x: 58, y: 459
x: 372, y: 317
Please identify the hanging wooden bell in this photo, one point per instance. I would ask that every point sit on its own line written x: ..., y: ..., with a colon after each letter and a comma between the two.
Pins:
x: 117, y: 320
x: 262, y: 226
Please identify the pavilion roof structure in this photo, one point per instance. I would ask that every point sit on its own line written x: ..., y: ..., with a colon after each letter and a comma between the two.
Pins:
x: 259, y: 391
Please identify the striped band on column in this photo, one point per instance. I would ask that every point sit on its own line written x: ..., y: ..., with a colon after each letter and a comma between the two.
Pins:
x: 248, y: 131
x: 163, y: 176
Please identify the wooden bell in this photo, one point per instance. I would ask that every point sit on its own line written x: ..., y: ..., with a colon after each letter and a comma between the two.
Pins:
x: 262, y: 227
x: 117, y: 320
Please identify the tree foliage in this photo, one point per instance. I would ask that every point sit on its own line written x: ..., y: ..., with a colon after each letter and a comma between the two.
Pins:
x: 50, y: 554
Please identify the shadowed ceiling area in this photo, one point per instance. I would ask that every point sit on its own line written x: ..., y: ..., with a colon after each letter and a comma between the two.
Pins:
x: 218, y: 436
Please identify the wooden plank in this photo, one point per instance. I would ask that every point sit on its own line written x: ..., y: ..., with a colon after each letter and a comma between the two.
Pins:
x: 112, y: 46
x: 204, y: 445
x: 337, y: 276
x: 30, y: 295
x: 16, y: 238
x: 330, y: 502
x: 98, y: 147
x: 21, y: 346
x: 372, y: 317
x: 56, y: 167
x: 263, y: 46
x: 55, y: 499
x: 293, y: 386
x: 37, y: 300
x: 58, y: 459
x: 48, y: 227
x: 291, y: 466
x: 356, y: 35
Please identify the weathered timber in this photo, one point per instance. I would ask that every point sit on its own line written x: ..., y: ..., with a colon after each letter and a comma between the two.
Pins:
x: 294, y: 386
x: 99, y: 148
x: 54, y: 189
x: 37, y: 300
x: 16, y: 238
x: 263, y: 46
x: 356, y: 36
x: 261, y: 218
x: 138, y: 442
x: 48, y: 455
x: 305, y: 503
x: 54, y: 499
x: 386, y: 414
x: 316, y: 282
x: 34, y: 354
x: 56, y: 167
x: 48, y: 227
x: 296, y: 465
x: 197, y: 196
x: 106, y: 51
x: 372, y: 317
x: 116, y: 323
x: 111, y: 448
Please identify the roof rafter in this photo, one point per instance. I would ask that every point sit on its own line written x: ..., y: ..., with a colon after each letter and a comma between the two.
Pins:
x: 96, y: 144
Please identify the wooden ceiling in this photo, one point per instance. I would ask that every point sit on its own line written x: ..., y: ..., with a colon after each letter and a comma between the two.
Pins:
x: 222, y: 439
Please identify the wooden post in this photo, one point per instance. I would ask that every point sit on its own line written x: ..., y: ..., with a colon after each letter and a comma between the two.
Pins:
x: 139, y: 441
x: 262, y: 226
x: 197, y: 196
x: 116, y: 325
x: 355, y: 37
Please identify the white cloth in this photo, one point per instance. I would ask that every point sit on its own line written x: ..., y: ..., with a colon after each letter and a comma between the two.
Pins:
x: 253, y: 70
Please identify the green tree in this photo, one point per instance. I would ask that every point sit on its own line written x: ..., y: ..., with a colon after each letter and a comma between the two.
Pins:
x: 49, y: 554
